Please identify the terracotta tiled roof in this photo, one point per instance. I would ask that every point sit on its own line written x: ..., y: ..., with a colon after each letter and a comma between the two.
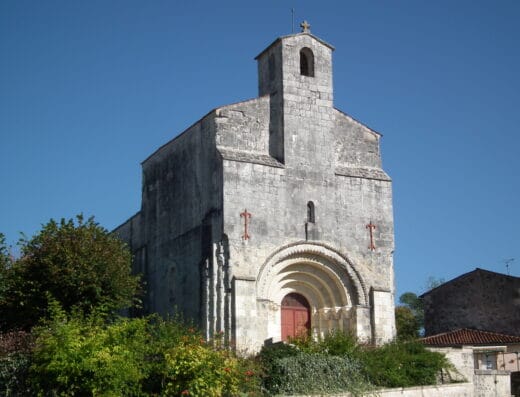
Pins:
x: 467, y: 336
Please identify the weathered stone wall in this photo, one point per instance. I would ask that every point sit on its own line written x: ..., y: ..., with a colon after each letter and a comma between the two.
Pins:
x: 486, y: 383
x: 356, y: 145
x: 453, y: 390
x: 491, y: 383
x: 244, y: 126
x: 172, y: 235
x: 480, y: 299
x: 462, y: 359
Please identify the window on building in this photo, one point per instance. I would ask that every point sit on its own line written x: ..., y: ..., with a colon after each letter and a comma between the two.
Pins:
x: 490, y: 361
x: 306, y: 62
x: 311, y: 218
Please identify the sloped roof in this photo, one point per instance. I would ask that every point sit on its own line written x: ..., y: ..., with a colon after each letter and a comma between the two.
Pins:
x: 466, y: 336
x: 474, y: 273
x: 294, y: 35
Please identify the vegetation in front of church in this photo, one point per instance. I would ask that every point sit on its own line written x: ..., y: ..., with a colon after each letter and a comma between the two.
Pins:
x: 308, y: 367
x: 61, y: 336
x: 94, y: 356
x: 77, y: 262
x: 98, y: 355
x: 338, y: 362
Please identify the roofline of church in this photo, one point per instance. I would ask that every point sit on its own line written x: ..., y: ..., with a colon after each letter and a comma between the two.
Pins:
x: 293, y: 35
x: 214, y: 110
x: 177, y: 136
x: 125, y: 222
x: 358, y: 122
x: 236, y: 103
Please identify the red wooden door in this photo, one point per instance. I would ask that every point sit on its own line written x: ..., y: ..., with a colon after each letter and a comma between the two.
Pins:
x: 296, y: 316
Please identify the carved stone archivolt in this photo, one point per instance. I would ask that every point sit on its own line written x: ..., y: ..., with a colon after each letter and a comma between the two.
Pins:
x: 317, y: 261
x: 326, y: 278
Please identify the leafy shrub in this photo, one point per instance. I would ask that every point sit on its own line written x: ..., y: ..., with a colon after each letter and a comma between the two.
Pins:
x: 306, y: 373
x: 200, y: 371
x: 79, y: 355
x: 14, y: 369
x: 403, y: 364
x: 250, y: 377
x: 406, y: 323
x: 79, y: 263
x: 308, y: 366
x: 15, y: 359
x: 268, y: 357
x: 271, y: 352
x: 337, y: 343
x: 92, y: 356
x: 15, y: 342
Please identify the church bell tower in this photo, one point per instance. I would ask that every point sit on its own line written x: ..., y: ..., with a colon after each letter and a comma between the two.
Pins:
x: 296, y: 72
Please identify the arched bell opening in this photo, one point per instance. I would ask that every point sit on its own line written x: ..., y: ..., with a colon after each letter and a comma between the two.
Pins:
x: 306, y: 62
x: 295, y: 316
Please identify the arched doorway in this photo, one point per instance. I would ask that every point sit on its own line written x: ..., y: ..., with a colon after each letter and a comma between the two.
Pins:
x: 296, y: 316
x: 331, y: 285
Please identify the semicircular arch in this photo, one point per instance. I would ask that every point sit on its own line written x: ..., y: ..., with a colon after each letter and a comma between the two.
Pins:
x: 320, y: 261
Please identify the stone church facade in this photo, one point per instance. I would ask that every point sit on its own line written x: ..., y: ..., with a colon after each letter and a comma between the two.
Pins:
x: 273, y: 216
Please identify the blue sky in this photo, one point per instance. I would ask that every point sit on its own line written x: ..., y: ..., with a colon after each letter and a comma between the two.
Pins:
x: 88, y: 89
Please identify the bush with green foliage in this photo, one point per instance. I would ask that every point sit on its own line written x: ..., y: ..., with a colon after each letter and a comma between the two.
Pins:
x: 403, y: 364
x: 15, y: 360
x: 92, y: 355
x: 80, y: 264
x: 308, y: 366
x: 5, y: 264
x: 406, y: 323
x: 83, y: 355
x: 409, y: 316
x: 329, y: 365
x: 14, y: 371
x: 309, y: 373
x: 199, y: 371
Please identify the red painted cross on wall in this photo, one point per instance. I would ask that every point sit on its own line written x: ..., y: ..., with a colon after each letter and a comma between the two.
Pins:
x: 371, y: 229
x: 246, y: 215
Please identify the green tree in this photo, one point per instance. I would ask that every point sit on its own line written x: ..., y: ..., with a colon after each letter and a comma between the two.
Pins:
x: 5, y: 264
x: 415, y: 304
x: 78, y: 263
x: 407, y: 324
x: 5, y: 258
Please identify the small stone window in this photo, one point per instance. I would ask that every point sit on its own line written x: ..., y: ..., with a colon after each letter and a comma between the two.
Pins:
x: 311, y: 218
x: 306, y: 62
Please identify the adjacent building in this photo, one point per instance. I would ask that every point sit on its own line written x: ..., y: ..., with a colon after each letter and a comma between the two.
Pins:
x: 480, y: 299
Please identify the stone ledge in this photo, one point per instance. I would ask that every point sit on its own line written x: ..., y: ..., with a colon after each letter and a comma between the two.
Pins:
x: 362, y: 172
x: 249, y: 157
x: 492, y: 372
x: 447, y: 390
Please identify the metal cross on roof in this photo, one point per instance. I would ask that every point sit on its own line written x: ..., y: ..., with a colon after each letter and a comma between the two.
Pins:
x: 306, y: 27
